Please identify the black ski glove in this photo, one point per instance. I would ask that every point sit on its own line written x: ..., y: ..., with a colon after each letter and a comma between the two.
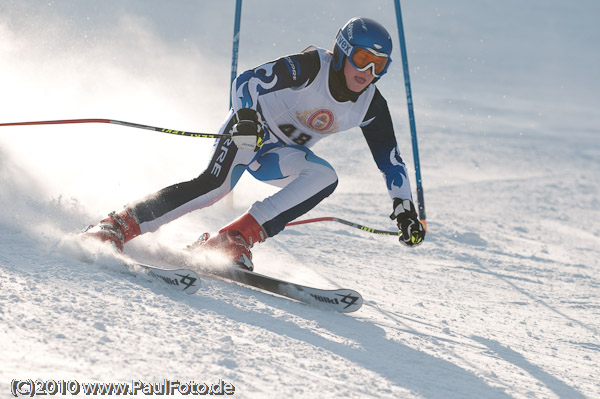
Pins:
x: 247, y: 133
x: 405, y: 214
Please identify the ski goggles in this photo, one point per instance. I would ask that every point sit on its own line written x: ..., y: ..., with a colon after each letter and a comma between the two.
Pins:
x: 363, y: 58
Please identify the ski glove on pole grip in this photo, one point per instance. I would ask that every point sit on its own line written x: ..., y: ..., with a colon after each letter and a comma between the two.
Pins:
x: 247, y: 133
x: 405, y: 214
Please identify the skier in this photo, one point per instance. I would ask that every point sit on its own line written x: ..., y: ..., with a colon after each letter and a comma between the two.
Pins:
x: 280, y: 109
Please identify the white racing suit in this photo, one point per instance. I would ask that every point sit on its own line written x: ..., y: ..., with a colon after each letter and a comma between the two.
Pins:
x: 293, y: 97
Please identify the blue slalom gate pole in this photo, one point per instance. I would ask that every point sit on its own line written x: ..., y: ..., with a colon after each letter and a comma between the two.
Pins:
x: 411, y: 115
x: 236, y: 44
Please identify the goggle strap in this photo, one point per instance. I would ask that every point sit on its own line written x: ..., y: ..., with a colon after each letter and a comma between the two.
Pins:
x: 343, y: 44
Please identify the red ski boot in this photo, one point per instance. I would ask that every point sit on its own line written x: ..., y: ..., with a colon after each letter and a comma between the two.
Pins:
x: 236, y: 239
x: 116, y: 229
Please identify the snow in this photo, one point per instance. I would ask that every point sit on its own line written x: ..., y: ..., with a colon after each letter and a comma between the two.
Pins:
x: 501, y: 301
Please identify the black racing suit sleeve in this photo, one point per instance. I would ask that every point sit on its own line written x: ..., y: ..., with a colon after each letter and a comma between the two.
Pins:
x: 378, y: 130
x: 292, y: 71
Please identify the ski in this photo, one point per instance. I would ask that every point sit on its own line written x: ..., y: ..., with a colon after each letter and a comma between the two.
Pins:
x: 340, y: 300
x: 188, y: 281
x: 185, y: 280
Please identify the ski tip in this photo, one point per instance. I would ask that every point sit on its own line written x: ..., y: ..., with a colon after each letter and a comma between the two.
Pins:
x: 186, y: 280
x: 341, y: 300
x: 189, y: 280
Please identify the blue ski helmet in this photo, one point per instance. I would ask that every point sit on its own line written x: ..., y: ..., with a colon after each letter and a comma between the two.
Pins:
x: 361, y: 34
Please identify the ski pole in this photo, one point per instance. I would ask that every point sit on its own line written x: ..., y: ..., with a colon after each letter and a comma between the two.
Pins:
x: 347, y: 223
x: 236, y: 46
x: 128, y: 124
x: 411, y: 115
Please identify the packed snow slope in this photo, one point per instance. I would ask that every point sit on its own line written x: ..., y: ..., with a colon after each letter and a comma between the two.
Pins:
x: 501, y: 301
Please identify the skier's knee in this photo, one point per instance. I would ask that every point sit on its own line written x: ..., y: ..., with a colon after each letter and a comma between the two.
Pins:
x: 323, y: 175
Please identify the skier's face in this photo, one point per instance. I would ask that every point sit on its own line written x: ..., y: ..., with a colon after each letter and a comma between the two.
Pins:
x: 356, y: 80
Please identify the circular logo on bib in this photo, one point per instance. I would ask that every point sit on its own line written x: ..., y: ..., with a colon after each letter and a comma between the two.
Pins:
x: 321, y: 120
